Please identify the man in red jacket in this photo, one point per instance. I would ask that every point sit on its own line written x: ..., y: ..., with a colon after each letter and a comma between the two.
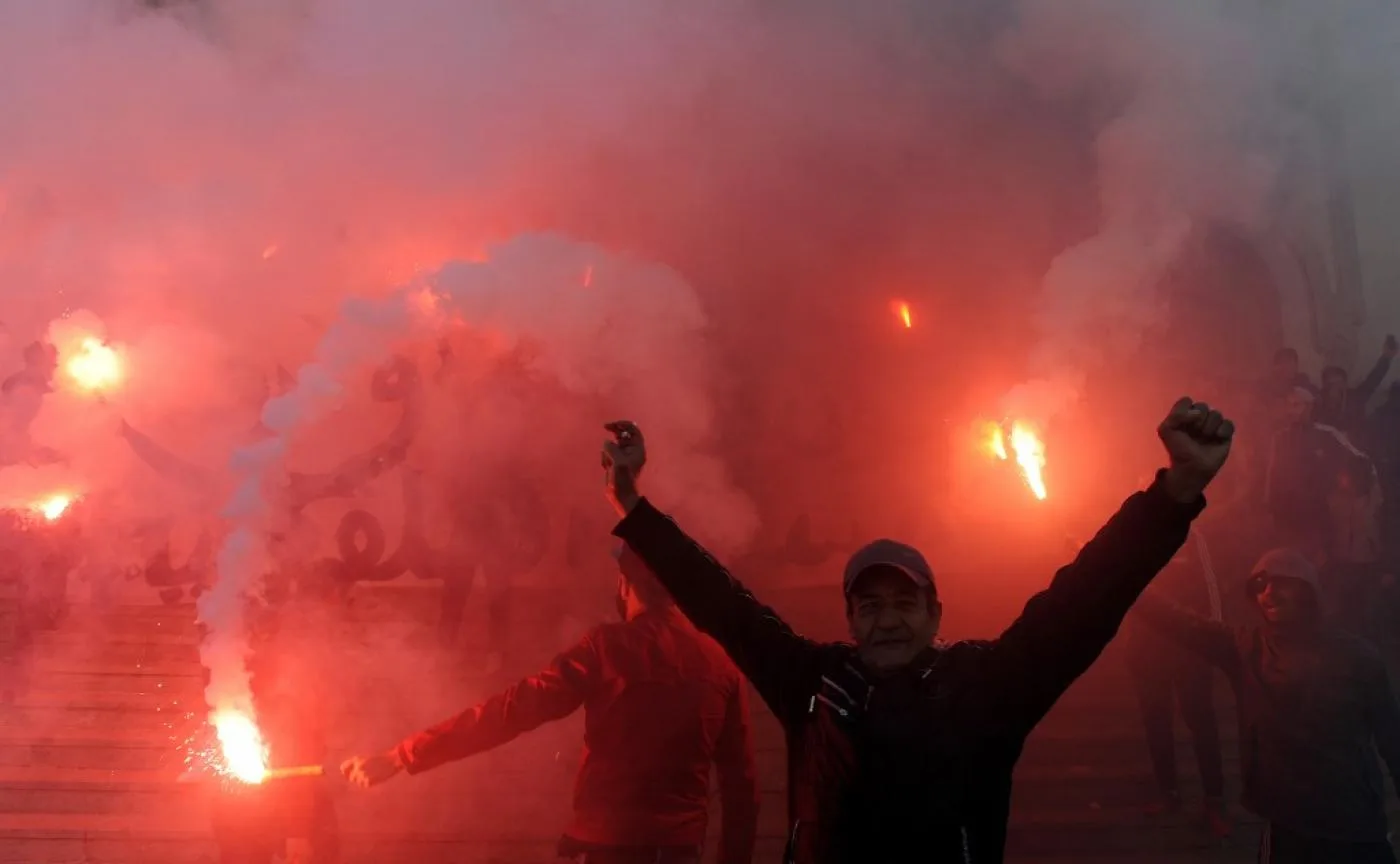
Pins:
x: 662, y: 704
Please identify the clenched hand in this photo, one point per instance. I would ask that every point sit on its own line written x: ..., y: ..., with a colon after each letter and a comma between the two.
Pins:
x: 1197, y: 439
x: 624, y: 456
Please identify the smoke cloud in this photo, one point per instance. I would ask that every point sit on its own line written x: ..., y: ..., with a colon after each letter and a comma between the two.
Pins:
x: 559, y: 214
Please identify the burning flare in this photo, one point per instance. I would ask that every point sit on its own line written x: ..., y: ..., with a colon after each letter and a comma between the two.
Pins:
x: 52, y: 507
x: 1028, y: 449
x: 95, y: 365
x: 245, y: 754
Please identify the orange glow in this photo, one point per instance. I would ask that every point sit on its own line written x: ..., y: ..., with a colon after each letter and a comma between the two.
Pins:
x: 52, y: 507
x: 995, y: 441
x: 95, y: 365
x: 1029, y: 451
x: 901, y: 311
x: 245, y: 754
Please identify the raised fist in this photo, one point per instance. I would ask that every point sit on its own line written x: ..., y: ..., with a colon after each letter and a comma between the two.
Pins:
x: 624, y: 456
x: 1198, y: 441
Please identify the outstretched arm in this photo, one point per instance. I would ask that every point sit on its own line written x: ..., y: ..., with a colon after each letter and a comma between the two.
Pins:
x: 738, y: 781
x: 1363, y: 392
x: 1213, y: 641
x: 554, y: 693
x: 780, y: 663
x: 1063, y: 629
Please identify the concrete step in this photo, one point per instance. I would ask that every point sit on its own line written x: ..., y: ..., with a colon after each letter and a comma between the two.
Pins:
x: 183, y: 682
x: 133, y: 621
x: 121, y: 649
x: 45, y: 790
x: 36, y: 711
x: 99, y: 749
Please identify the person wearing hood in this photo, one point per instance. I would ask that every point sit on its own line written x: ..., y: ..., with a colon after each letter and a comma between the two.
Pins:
x: 1315, y: 706
x: 900, y: 748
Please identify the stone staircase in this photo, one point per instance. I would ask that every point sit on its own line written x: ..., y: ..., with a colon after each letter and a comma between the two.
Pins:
x: 90, y: 752
x: 90, y: 748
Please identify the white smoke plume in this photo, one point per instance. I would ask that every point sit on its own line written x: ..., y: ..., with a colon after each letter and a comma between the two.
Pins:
x: 612, y: 330
x: 210, y: 181
x: 1196, y: 128
x: 363, y: 334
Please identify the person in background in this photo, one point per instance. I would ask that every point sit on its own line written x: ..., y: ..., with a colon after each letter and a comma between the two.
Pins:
x: 1284, y: 375
x: 897, y: 744
x: 662, y: 706
x: 1162, y: 673
x: 1381, y: 442
x: 1303, y: 464
x: 1344, y: 407
x: 291, y: 820
x: 1354, y: 567
x: 21, y: 396
x: 1315, y: 705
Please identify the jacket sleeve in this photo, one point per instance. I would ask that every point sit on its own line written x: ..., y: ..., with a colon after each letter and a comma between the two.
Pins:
x: 1383, y: 713
x: 1063, y: 629
x: 553, y: 694
x: 1363, y: 391
x: 781, y: 665
x: 738, y: 781
x: 1211, y: 640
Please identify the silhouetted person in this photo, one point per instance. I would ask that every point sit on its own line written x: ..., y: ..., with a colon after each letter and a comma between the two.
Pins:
x: 1353, y: 568
x: 1284, y: 375
x: 899, y: 748
x: 21, y: 396
x: 1382, y: 444
x: 1314, y: 705
x: 662, y: 705
x: 1342, y: 406
x: 1303, y: 464
x: 1164, y: 673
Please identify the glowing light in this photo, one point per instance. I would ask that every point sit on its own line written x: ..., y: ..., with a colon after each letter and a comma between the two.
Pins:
x: 244, y: 753
x: 53, y: 507
x: 902, y: 312
x: 1030, y: 455
x: 95, y: 366
x: 1028, y: 449
x: 994, y: 441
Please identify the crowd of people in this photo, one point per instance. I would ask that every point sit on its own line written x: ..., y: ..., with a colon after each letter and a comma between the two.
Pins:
x: 901, y: 746
x: 1322, y: 491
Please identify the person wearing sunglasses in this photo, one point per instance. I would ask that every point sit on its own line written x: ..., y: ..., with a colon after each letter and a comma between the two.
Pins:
x: 1315, y: 706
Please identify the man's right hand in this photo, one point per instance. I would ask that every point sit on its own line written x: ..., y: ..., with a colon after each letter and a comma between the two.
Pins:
x: 623, y: 459
x: 367, y: 771
x: 1198, y: 441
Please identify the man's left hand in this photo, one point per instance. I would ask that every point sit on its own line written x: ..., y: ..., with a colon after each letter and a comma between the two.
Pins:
x: 367, y: 771
x: 1197, y: 439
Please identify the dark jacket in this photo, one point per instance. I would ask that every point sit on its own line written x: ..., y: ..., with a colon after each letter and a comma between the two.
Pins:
x: 1305, y: 460
x: 1349, y: 413
x: 662, y: 706
x: 1312, y: 715
x: 922, y: 760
